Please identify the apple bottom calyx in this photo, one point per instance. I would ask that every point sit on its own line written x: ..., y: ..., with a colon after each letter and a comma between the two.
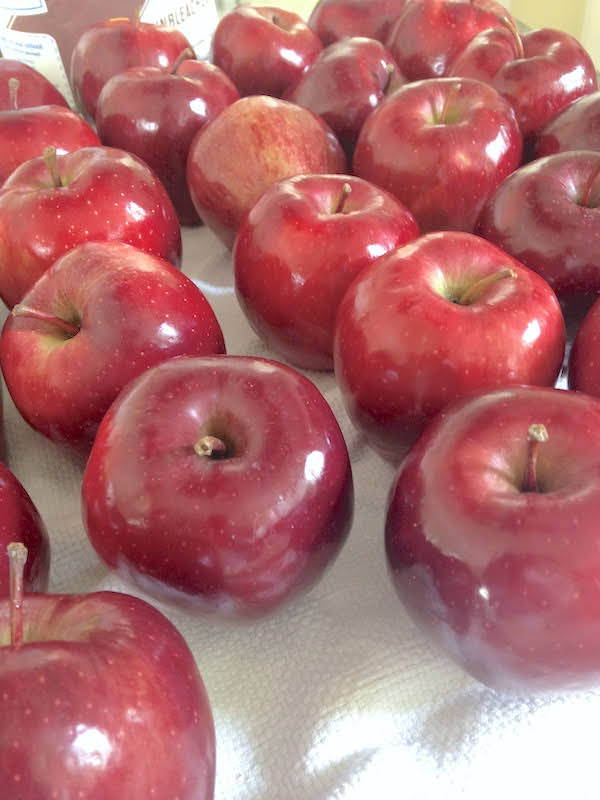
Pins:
x: 213, y: 447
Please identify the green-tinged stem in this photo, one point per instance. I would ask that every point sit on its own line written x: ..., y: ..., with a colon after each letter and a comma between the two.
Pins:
x: 21, y: 310
x: 476, y: 288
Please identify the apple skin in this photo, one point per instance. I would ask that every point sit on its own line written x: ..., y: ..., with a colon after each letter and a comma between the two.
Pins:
x: 405, y: 346
x: 155, y: 113
x: 132, y: 311
x: 441, y: 146
x: 114, y: 45
x: 264, y: 49
x: 104, y: 194
x: 584, y: 358
x: 20, y: 521
x: 102, y: 693
x: 333, y: 20
x: 576, y: 127
x: 26, y: 132
x: 505, y: 580
x: 237, y: 535
x: 251, y: 144
x: 34, y: 88
x: 539, y: 76
x: 298, y: 250
x: 345, y: 83
x: 428, y: 35
x: 538, y: 216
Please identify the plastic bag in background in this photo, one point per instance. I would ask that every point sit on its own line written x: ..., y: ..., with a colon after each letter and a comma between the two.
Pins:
x: 42, y: 33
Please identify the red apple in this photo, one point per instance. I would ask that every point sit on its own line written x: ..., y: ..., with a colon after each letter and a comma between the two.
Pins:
x: 51, y: 204
x: 253, y: 143
x: 345, y: 83
x: 298, y: 250
x: 584, y: 358
x: 539, y: 72
x: 442, y: 317
x: 333, y: 20
x: 441, y: 146
x: 546, y: 215
x: 492, y: 537
x: 114, y: 45
x: 20, y: 521
x: 100, y: 692
x: 26, y: 131
x: 428, y: 35
x: 221, y: 483
x: 264, y: 49
x: 34, y: 88
x: 155, y: 113
x: 101, y: 315
x: 576, y: 127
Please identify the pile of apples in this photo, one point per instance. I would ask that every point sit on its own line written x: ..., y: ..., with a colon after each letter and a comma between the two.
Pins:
x: 410, y: 191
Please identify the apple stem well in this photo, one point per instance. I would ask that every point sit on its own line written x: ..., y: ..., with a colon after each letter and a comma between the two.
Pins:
x: 17, y: 557
x: 21, y: 310
x: 587, y: 194
x: 536, y: 435
x: 13, y: 93
x: 183, y: 56
x: 474, y: 290
x: 345, y: 193
x: 211, y: 447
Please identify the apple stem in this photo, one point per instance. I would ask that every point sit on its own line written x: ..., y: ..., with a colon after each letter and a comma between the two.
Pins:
x: 183, y: 56
x: 211, y: 446
x: 451, y: 95
x: 52, y: 164
x: 471, y: 294
x: 17, y: 556
x: 13, y: 93
x: 536, y: 434
x: 585, y: 200
x: 344, y: 194
x: 21, y: 310
x: 275, y: 19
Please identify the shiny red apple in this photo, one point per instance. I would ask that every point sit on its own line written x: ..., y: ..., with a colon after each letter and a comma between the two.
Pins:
x: 333, y: 20
x: 34, y: 88
x: 538, y: 72
x: 20, y: 521
x: 441, y: 146
x: 576, y: 127
x: 52, y: 203
x: 99, y: 692
x: 298, y: 250
x: 101, y: 315
x: 584, y: 357
x: 222, y: 483
x: 547, y: 215
x: 155, y: 113
x: 492, y: 537
x: 440, y: 318
x: 114, y: 45
x: 253, y: 143
x: 347, y: 80
x: 264, y: 49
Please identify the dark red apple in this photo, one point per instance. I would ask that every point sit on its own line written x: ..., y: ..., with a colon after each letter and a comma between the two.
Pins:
x: 114, y: 45
x: 34, y: 88
x: 51, y: 204
x: 345, y: 83
x: 100, y: 315
x: 584, y: 358
x: 99, y: 692
x: 539, y: 72
x: 264, y: 49
x: 440, y: 318
x: 492, y: 537
x: 427, y: 35
x: 441, y: 146
x: 26, y: 131
x: 221, y: 483
x: 20, y: 521
x: 333, y: 20
x: 253, y: 143
x: 155, y: 113
x: 546, y: 214
x: 298, y: 250
x: 576, y: 127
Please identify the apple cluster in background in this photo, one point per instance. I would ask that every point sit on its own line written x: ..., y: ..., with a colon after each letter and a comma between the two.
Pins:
x: 409, y: 190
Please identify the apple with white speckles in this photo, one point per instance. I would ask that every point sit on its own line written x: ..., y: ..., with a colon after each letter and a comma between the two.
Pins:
x: 53, y: 202
x: 98, y: 317
x: 97, y: 692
